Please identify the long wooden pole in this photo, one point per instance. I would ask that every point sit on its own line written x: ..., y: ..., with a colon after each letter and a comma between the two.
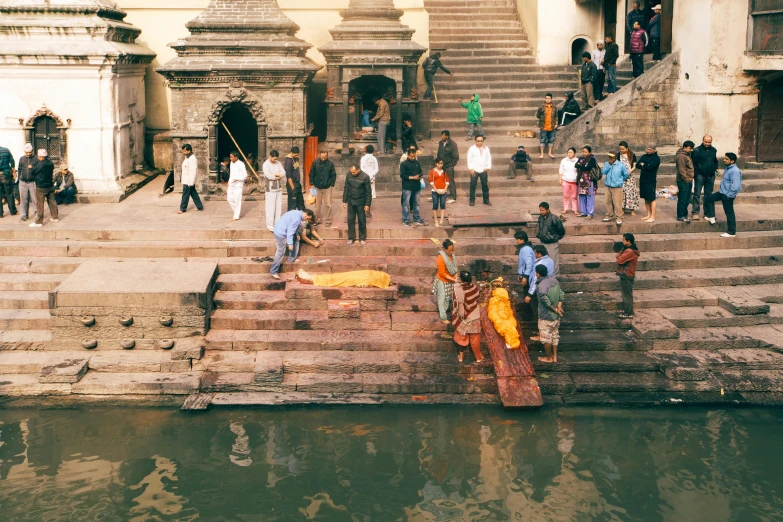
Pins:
x: 240, y: 151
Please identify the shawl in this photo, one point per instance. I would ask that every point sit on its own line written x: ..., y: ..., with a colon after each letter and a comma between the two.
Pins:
x: 451, y: 266
x: 465, y: 307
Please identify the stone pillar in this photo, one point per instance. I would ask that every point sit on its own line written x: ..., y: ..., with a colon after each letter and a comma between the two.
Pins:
x: 262, y: 156
x: 399, y: 118
x: 346, y: 119
x: 212, y: 148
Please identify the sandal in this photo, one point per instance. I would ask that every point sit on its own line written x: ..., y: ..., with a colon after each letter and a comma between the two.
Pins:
x: 461, y: 357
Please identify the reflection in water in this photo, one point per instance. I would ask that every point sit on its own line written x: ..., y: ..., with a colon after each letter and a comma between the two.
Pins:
x: 418, y: 464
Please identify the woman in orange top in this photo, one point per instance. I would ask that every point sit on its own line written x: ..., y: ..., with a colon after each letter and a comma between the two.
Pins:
x: 439, y: 181
x: 443, y: 285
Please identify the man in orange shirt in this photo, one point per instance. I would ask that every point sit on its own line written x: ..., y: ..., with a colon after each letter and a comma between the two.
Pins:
x: 547, y: 123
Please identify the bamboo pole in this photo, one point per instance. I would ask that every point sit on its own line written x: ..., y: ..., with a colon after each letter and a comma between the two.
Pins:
x: 240, y: 151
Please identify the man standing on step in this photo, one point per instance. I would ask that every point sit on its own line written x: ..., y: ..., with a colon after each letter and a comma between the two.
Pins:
x: 449, y: 153
x: 189, y: 174
x: 550, y: 311
x: 685, y: 174
x: 274, y: 172
x: 547, y: 125
x: 479, y: 165
x: 542, y: 258
x: 615, y: 175
x: 357, y: 198
x: 730, y: 187
x: 654, y: 28
x: 626, y: 270
x: 236, y: 184
x: 430, y: 67
x: 589, y: 73
x: 610, y: 64
x: 411, y: 175
x: 323, y: 176
x: 527, y: 260
x: 475, y: 116
x: 7, y: 169
x: 383, y: 117
x: 44, y: 188
x: 550, y: 232
x: 600, y: 77
x: 636, y: 15
x: 705, y: 167
x: 293, y: 179
x: 27, y: 182
x: 286, y: 231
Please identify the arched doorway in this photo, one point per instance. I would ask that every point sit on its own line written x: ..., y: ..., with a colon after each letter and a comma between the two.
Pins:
x: 770, y: 145
x: 244, y: 129
x: 363, y: 90
x: 46, y: 135
x: 579, y: 46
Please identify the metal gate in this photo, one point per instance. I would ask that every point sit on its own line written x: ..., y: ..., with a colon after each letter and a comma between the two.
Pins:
x: 47, y: 136
x: 771, y: 122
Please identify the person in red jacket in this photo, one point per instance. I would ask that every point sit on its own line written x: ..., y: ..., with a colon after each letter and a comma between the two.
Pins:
x: 626, y: 269
x: 639, y: 41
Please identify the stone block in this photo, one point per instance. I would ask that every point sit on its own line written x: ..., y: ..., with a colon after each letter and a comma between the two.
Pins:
x: 376, y: 362
x: 317, y: 320
x: 650, y: 324
x: 98, y: 383
x: 330, y: 383
x: 175, y: 366
x: 126, y: 361
x: 64, y: 371
x: 750, y: 380
x: 226, y: 382
x: 268, y: 368
x: 736, y: 301
x: 28, y: 385
x: 338, y: 309
x: 330, y: 361
x: 226, y: 362
x: 188, y: 348
x: 414, y: 321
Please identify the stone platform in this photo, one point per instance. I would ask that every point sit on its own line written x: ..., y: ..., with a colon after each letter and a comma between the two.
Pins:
x: 709, y: 325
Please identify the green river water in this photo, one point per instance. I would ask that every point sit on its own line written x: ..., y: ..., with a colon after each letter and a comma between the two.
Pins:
x: 392, y: 463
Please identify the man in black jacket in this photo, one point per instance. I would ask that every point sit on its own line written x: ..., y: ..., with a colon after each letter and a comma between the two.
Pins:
x: 323, y: 177
x: 449, y: 153
x: 430, y: 67
x: 550, y: 232
x: 610, y: 64
x: 411, y: 175
x: 27, y: 197
x: 44, y: 188
x: 705, y: 166
x: 636, y: 15
x: 589, y: 74
x: 357, y: 196
x: 293, y: 176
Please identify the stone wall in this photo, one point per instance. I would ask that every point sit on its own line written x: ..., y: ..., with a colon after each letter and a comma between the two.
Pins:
x: 644, y: 111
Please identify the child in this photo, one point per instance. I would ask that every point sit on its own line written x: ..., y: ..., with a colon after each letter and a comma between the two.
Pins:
x: 439, y: 181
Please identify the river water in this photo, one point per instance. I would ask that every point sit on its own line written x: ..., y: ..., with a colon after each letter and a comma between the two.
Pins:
x: 391, y: 463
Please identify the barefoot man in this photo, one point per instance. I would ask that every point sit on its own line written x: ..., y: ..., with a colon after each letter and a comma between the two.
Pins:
x: 550, y: 311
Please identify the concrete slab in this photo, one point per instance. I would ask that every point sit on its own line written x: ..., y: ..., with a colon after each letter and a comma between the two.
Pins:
x: 168, y: 282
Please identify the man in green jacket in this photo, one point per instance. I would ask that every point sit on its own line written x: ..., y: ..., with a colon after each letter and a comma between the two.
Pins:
x: 475, y: 116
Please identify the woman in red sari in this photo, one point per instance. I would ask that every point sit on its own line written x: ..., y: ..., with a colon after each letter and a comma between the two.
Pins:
x: 466, y: 316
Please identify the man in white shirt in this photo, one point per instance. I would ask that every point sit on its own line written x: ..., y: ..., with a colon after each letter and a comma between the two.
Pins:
x: 189, y: 174
x: 479, y: 165
x: 274, y: 174
x: 369, y: 165
x: 598, y: 60
x: 236, y: 183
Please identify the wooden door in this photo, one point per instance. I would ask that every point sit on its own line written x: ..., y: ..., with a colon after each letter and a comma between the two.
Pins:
x: 47, y: 137
x: 771, y: 122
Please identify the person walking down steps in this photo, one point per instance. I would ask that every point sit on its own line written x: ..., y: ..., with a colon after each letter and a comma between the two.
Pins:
x: 475, y: 116
x: 236, y: 184
x: 626, y: 270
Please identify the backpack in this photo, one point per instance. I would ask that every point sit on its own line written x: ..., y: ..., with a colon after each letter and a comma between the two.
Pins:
x: 596, y: 174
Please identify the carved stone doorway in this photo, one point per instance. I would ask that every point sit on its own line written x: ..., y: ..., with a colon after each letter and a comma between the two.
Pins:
x: 244, y: 128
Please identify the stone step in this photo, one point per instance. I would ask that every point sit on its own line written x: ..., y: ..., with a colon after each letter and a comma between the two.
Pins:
x: 137, y: 383
x: 30, y: 282
x: 319, y: 320
x: 586, y: 320
x: 249, y: 282
x: 607, y: 382
x: 709, y: 317
x: 391, y: 383
x: 25, y: 339
x: 588, y: 340
x: 501, y: 43
x: 25, y: 319
x: 687, y: 278
x: 652, y: 298
x: 247, y: 399
x: 29, y: 385
x: 45, y: 265
x: 592, y: 361
x: 348, y: 340
x: 130, y: 361
x: 24, y: 300
x: 57, y: 367
x: 276, y: 300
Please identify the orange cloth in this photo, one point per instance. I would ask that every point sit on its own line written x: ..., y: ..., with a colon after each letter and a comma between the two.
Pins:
x: 439, y: 180
x: 443, y: 273
x: 548, y: 117
x: 502, y: 317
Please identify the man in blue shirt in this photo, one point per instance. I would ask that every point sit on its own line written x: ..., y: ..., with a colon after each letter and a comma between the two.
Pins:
x: 616, y: 174
x: 730, y: 186
x: 7, y: 166
x: 286, y: 231
x: 527, y: 259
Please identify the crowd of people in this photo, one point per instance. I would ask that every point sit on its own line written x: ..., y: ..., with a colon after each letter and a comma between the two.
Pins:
x: 33, y: 182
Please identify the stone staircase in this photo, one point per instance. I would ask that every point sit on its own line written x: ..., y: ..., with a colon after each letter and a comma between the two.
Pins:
x: 709, y: 325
